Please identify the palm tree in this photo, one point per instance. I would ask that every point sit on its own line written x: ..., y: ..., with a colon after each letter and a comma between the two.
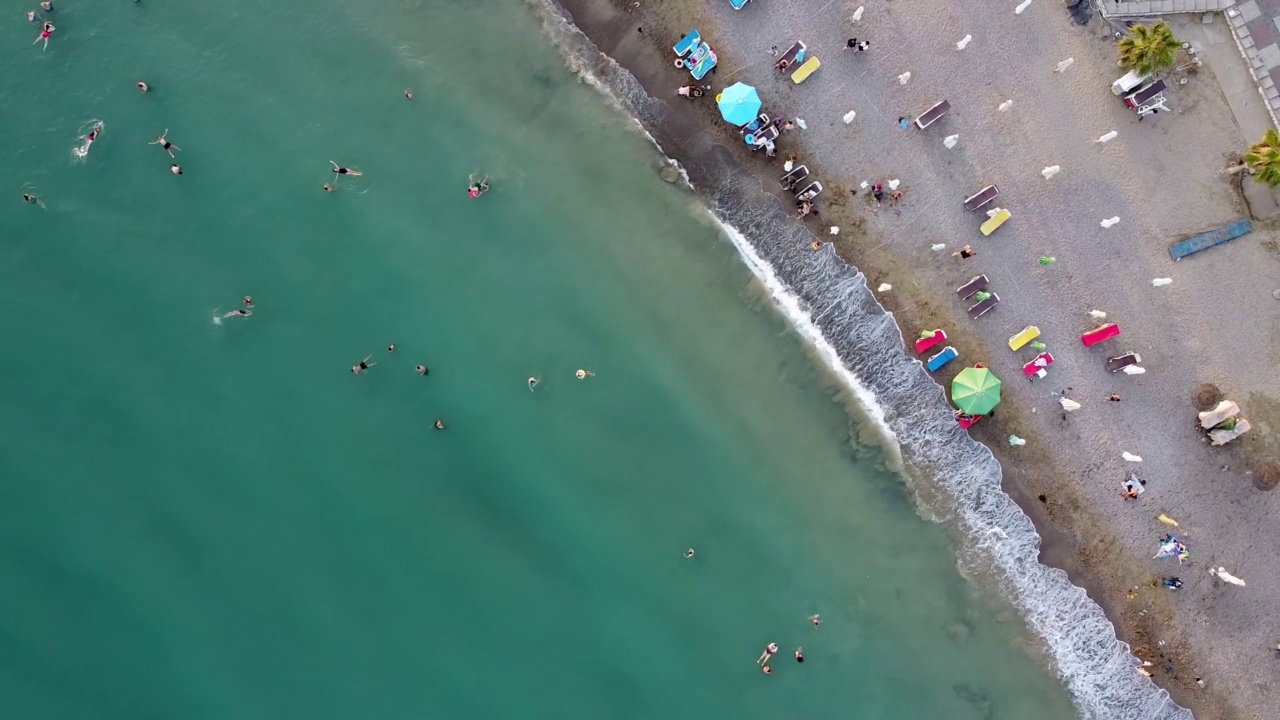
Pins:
x: 1264, y: 158
x: 1149, y: 48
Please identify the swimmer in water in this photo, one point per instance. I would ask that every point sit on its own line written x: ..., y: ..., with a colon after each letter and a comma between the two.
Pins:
x: 329, y: 188
x: 143, y: 87
x: 28, y: 197
x: 175, y: 169
x: 238, y: 313
x: 439, y: 423
x: 408, y: 94
x: 46, y: 31
x: 88, y: 139
x: 32, y: 17
x: 163, y: 142
x: 476, y: 189
x: 766, y: 669
x: 362, y: 365
x: 533, y: 383
x: 688, y: 554
x: 583, y: 374
x: 799, y: 654
x: 46, y: 5
x: 769, y: 650
x: 815, y: 620
x: 248, y: 301
x: 391, y: 348
x: 339, y: 170
x: 422, y: 370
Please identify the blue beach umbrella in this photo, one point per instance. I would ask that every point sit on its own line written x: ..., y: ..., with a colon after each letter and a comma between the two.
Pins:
x: 739, y: 104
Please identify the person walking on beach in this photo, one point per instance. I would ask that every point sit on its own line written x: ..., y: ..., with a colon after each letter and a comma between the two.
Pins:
x: 965, y: 253
x: 339, y: 170
x: 163, y: 142
x: 363, y: 365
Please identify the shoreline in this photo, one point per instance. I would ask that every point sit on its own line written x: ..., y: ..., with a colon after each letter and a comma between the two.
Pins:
x: 1073, y: 538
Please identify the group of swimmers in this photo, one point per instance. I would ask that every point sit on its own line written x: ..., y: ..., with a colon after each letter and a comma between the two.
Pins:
x: 772, y: 648
x: 47, y: 28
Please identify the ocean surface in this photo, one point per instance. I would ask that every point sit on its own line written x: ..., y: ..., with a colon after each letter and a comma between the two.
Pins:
x: 214, y: 518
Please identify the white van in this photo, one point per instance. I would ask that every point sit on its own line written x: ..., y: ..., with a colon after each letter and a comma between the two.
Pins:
x: 1127, y: 83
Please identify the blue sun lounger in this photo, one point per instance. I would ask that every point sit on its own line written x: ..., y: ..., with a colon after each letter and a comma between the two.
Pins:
x: 739, y: 4
x: 706, y: 61
x: 688, y: 43
x: 943, y: 357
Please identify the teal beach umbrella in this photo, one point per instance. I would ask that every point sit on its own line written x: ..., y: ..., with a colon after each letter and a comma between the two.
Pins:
x: 739, y: 104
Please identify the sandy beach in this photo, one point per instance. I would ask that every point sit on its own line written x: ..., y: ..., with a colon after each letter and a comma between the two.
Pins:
x: 1217, y: 322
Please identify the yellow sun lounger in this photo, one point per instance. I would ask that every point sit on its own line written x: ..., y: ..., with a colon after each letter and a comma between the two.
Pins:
x: 805, y: 70
x: 1029, y: 333
x: 995, y: 221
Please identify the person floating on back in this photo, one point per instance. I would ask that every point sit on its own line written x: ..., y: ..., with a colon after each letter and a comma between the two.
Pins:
x: 163, y: 142
x: 339, y: 170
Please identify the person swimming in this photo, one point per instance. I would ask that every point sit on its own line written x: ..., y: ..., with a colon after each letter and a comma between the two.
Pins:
x: 339, y: 170
x: 163, y: 142
x: 423, y: 370
x: 799, y: 654
x: 391, y: 348
x: 408, y: 94
x: 328, y: 188
x: 28, y: 197
x: 143, y: 87
x: 476, y: 189
x: 688, y: 554
x: 533, y: 383
x: 363, y: 365
x: 439, y: 424
x: 238, y: 313
x: 46, y: 32
x: 583, y: 374
x: 769, y: 650
x: 175, y: 169
x: 248, y: 301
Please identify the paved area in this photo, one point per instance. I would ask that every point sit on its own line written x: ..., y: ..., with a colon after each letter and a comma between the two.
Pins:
x: 1256, y: 24
x: 1144, y: 8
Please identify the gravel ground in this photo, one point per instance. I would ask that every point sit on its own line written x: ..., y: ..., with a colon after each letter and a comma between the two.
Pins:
x: 1216, y: 323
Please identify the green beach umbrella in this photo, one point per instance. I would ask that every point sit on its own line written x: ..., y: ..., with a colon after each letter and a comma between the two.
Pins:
x: 975, y: 391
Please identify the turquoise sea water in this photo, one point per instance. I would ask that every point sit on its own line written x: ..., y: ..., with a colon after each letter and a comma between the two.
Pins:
x: 206, y: 520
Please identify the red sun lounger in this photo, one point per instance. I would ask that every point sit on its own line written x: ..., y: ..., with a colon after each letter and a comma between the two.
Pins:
x: 1099, y: 334
x: 1037, y: 367
x: 934, y: 338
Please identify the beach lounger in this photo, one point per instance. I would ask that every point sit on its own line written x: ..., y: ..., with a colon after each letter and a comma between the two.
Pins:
x: 995, y: 221
x: 762, y: 138
x: 809, y: 193
x: 1100, y: 333
x: 793, y: 54
x: 688, y: 43
x: 970, y: 288
x: 703, y: 66
x: 932, y: 114
x: 980, y: 198
x: 1220, y: 414
x: 1123, y: 361
x: 760, y: 121
x: 1037, y: 367
x: 738, y: 4
x: 1026, y: 335
x: 1134, y: 483
x: 1145, y: 95
x: 983, y: 307
x: 928, y: 341
x: 805, y: 70
x: 936, y: 362
x: 1222, y: 436
x: 967, y: 421
x: 793, y: 178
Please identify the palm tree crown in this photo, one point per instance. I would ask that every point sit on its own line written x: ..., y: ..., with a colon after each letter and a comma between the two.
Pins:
x: 1264, y: 158
x: 1149, y: 48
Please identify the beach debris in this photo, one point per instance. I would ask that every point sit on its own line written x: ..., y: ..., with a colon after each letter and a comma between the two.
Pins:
x: 1161, y: 282
x: 884, y: 287
x: 802, y: 124
x: 1110, y: 221
x: 1133, y: 370
x: 1222, y: 574
x: 894, y: 183
x: 1131, y: 457
x: 950, y: 141
x: 938, y: 247
x: 1097, y: 315
x: 1050, y: 171
x: 849, y: 116
x: 1025, y: 4
x: 1016, y: 441
x: 1006, y: 105
x: 904, y: 78
x: 1068, y: 404
x: 1038, y: 346
x: 857, y: 14
x: 1062, y: 66
x: 1167, y: 520
x: 1047, y: 260
x: 964, y: 42
x: 1107, y: 137
x: 864, y: 184
x: 835, y: 230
